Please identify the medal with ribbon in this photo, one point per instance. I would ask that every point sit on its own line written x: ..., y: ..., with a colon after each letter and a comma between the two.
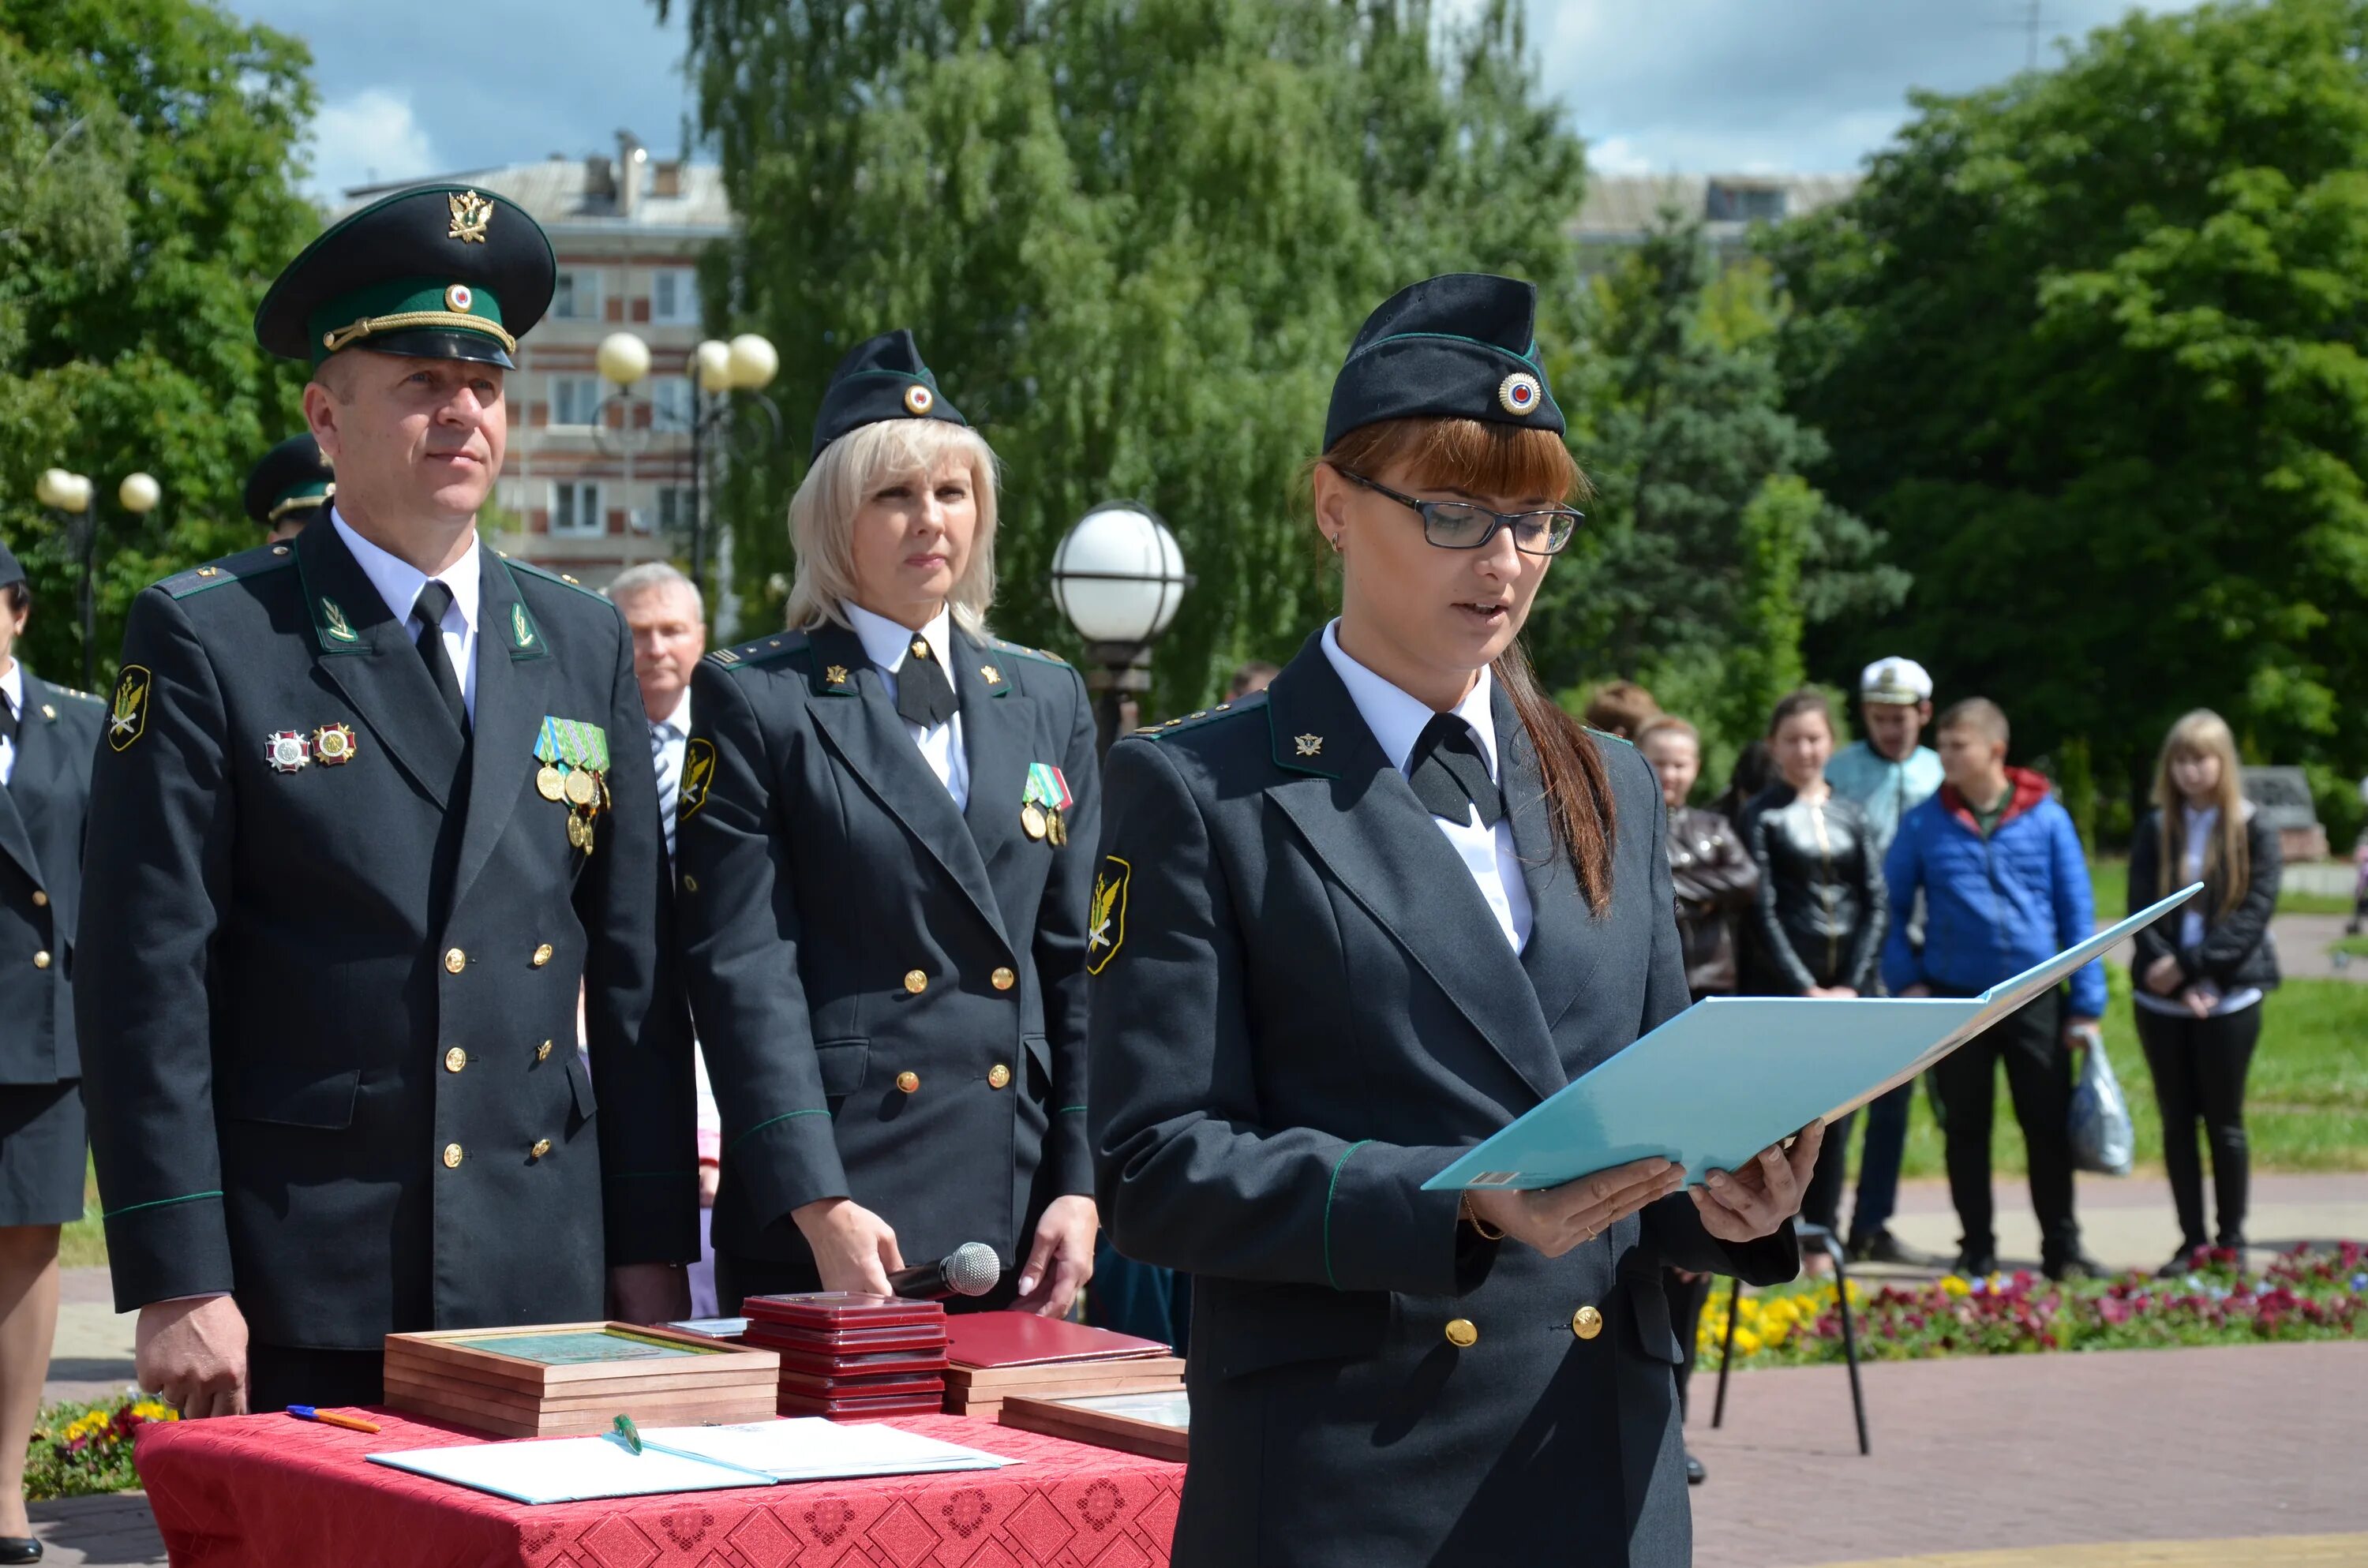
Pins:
x: 574, y: 757
x: 1046, y: 796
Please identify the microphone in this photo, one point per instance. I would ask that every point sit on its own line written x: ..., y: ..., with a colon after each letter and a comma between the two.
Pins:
x: 971, y: 1270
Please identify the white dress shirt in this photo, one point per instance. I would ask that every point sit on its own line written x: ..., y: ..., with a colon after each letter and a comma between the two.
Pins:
x: 668, y: 737
x: 12, y: 692
x: 1397, y: 720
x: 887, y: 645
x: 398, y: 583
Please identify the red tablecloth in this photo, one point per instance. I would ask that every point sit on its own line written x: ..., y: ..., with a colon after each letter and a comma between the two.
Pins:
x: 277, y: 1493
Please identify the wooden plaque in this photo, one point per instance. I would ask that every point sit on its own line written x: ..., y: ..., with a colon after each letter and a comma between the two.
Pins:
x: 1159, y: 1424
x: 557, y: 1380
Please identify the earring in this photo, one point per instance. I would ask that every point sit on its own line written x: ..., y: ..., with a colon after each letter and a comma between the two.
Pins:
x: 1333, y: 541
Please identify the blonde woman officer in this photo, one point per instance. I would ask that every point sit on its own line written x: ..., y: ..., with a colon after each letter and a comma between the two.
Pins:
x: 886, y: 837
x: 1358, y: 922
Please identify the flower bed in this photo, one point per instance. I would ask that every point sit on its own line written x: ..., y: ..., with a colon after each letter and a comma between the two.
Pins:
x: 2302, y: 1295
x: 82, y: 1449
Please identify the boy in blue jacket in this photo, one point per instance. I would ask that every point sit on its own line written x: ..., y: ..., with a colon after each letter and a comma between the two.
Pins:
x: 2005, y: 887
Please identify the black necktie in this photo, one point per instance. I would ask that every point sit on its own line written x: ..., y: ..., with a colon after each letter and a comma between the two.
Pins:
x: 924, y: 694
x: 8, y: 718
x: 434, y: 599
x: 1449, y: 776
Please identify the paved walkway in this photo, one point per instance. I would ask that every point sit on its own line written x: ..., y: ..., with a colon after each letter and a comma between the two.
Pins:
x: 2013, y: 1454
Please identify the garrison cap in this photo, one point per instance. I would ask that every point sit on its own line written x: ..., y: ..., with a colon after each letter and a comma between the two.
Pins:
x: 438, y: 272
x: 294, y: 476
x: 881, y: 378
x: 1459, y: 347
x: 10, y: 571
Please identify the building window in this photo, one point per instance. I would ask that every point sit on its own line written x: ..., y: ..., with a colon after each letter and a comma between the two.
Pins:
x: 574, y: 400
x: 575, y: 508
x: 673, y: 296
x: 575, y: 296
x: 674, y: 508
x: 670, y: 403
x: 1745, y: 203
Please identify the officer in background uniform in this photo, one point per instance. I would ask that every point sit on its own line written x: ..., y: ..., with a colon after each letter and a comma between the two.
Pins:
x: 288, y: 488
x: 1347, y: 928
x: 47, y: 735
x: 883, y: 844
x: 370, y: 802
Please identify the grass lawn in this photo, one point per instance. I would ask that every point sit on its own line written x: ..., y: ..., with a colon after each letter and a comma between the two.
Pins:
x: 83, y: 1245
x: 2109, y: 877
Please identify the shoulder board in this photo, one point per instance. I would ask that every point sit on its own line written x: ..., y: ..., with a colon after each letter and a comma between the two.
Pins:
x: 1608, y: 735
x: 229, y: 569
x: 758, y: 651
x: 548, y: 575
x: 1042, y: 655
x: 1205, y: 717
x: 78, y: 695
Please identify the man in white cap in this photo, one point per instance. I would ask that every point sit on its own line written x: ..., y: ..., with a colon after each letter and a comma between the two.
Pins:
x: 1887, y: 773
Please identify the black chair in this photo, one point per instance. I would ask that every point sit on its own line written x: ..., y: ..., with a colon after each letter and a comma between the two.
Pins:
x: 1823, y: 1241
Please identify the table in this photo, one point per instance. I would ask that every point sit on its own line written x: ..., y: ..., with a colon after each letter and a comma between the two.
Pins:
x: 277, y: 1493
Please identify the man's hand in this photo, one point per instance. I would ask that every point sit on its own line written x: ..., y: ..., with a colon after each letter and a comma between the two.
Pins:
x: 193, y: 1353
x: 1752, y: 1202
x: 1834, y: 993
x: 649, y: 1292
x: 853, y: 1248
x: 2081, y: 1033
x: 1560, y: 1217
x: 1061, y: 1259
x: 711, y: 1178
x: 2162, y: 976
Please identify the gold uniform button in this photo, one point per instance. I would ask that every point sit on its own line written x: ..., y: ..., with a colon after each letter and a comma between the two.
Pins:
x: 1586, y: 1322
x: 543, y: 1051
x: 41, y: 958
x: 542, y: 955
x: 452, y: 1156
x: 1461, y: 1334
x: 1004, y: 979
x: 908, y: 1082
x: 455, y: 961
x: 455, y: 1059
x: 690, y: 883
x: 915, y: 982
x: 998, y: 1077
x: 542, y: 1147
x: 40, y: 899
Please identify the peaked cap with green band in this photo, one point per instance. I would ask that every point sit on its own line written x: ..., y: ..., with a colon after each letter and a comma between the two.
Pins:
x: 881, y: 377
x: 294, y: 476
x: 436, y: 272
x: 1461, y: 347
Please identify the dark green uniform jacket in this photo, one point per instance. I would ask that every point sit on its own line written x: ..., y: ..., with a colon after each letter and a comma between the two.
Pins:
x: 41, y: 816
x: 890, y: 993
x: 1303, y: 1009
x: 329, y: 1014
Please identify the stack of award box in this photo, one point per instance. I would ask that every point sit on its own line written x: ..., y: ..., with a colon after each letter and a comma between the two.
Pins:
x: 997, y: 1356
x: 566, y: 1380
x: 851, y: 1357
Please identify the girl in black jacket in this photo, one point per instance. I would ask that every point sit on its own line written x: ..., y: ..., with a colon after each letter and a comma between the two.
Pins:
x: 2201, y: 970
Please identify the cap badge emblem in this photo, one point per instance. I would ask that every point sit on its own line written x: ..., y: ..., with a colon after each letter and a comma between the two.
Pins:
x: 459, y: 298
x: 470, y: 213
x: 1519, y: 394
x: 919, y: 398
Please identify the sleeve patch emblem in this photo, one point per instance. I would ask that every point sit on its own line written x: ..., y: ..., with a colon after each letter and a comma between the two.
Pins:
x: 697, y: 773
x: 128, y: 721
x: 1107, y: 928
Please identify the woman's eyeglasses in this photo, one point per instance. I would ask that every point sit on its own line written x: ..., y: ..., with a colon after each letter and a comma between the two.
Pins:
x: 1460, y: 524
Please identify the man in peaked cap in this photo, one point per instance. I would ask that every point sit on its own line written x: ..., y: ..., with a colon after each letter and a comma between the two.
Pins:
x: 288, y: 488
x: 370, y: 804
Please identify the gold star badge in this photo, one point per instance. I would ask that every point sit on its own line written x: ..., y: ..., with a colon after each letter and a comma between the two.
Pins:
x: 994, y: 676
x: 1309, y: 745
x: 470, y: 213
x: 836, y: 675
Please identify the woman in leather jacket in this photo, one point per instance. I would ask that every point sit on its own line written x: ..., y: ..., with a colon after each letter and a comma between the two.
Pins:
x: 1715, y: 877
x: 1816, y: 927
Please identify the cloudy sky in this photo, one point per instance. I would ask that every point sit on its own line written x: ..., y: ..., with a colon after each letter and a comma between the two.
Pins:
x: 1690, y: 86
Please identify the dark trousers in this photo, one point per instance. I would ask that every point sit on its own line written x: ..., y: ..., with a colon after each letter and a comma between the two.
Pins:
x: 1822, y: 1204
x: 1878, y: 1164
x: 1687, y: 1298
x: 2038, y: 1081
x: 2199, y: 1066
x: 278, y: 1376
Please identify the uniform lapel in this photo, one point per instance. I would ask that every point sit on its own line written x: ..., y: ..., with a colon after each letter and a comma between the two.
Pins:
x: 34, y: 751
x: 514, y: 671
x: 857, y: 715
x: 996, y: 724
x: 1361, y: 818
x: 1560, y: 957
x: 359, y: 648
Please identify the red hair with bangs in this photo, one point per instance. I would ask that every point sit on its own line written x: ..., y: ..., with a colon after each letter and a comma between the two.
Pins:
x: 1482, y: 457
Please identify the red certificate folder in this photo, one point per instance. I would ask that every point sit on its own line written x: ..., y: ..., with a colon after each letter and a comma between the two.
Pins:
x: 991, y: 1341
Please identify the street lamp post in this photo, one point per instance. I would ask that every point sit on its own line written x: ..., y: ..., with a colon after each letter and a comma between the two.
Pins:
x: 623, y: 360
x: 1119, y: 577
x: 746, y: 364
x: 71, y: 494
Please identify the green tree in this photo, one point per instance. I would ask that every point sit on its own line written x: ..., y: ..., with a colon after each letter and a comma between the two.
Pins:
x: 1134, y: 240
x: 148, y: 154
x: 2088, y: 348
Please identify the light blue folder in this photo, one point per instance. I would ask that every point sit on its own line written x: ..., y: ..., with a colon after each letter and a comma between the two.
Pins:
x: 1732, y: 1075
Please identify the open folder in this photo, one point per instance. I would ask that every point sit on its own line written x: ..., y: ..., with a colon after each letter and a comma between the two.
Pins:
x: 1732, y: 1075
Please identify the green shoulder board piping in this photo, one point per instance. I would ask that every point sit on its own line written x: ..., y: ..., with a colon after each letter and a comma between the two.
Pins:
x: 1205, y: 716
x: 1607, y: 735
x: 758, y: 651
x: 548, y: 575
x: 229, y: 569
x: 1042, y: 655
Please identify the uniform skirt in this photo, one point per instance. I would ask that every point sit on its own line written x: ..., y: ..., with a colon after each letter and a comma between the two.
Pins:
x: 40, y: 1154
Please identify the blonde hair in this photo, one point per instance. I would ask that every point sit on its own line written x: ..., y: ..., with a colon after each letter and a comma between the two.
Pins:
x: 2228, y: 856
x: 823, y: 514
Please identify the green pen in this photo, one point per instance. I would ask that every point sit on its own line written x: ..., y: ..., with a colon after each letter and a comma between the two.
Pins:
x: 624, y: 1428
